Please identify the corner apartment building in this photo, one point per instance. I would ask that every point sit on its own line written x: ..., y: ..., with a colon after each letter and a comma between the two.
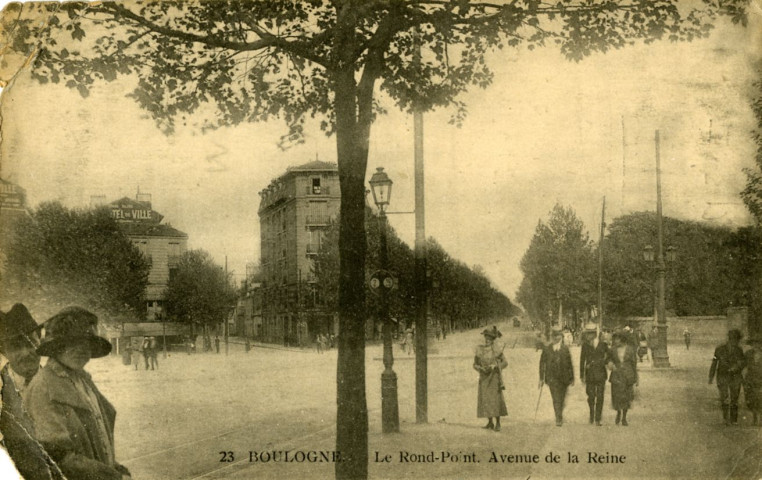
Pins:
x: 160, y: 243
x: 294, y: 211
x: 12, y: 208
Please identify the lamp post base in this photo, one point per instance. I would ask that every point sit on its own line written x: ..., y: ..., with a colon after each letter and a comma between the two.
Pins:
x: 660, y: 356
x: 390, y: 418
x: 661, y: 361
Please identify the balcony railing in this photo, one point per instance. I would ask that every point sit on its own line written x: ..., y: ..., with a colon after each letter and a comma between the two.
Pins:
x: 312, y: 190
x: 318, y: 219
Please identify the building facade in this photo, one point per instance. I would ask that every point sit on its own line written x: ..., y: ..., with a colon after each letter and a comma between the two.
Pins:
x: 294, y: 212
x: 160, y: 243
x: 12, y: 208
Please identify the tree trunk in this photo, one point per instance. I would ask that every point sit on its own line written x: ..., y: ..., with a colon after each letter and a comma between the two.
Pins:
x: 352, y: 410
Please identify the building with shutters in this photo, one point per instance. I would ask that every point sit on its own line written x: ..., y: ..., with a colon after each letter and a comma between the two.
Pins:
x: 12, y: 208
x: 161, y: 244
x: 294, y: 211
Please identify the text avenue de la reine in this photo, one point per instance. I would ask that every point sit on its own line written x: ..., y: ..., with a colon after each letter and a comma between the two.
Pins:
x: 443, y: 456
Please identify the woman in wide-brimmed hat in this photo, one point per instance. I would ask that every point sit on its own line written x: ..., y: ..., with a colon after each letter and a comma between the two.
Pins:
x: 753, y: 378
x: 489, y: 361
x: 74, y: 422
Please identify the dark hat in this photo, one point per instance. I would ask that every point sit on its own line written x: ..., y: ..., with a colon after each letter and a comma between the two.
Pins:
x: 16, y: 322
x: 735, y: 333
x: 70, y: 324
x: 490, y: 333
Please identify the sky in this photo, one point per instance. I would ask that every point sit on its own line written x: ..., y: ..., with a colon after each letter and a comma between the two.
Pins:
x: 547, y: 130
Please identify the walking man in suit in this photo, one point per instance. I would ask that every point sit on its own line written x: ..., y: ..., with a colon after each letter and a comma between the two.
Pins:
x: 557, y: 372
x: 592, y: 371
x: 728, y: 363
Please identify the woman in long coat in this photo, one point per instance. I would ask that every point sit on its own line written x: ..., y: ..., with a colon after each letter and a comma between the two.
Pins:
x: 489, y: 361
x: 753, y: 379
x: 624, y: 375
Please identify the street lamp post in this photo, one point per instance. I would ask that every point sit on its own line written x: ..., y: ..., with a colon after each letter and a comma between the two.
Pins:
x: 381, y: 187
x: 660, y: 355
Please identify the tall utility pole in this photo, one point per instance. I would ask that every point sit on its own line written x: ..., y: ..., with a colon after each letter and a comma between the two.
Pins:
x: 600, y: 267
x: 421, y: 334
x: 660, y: 356
x: 226, y: 327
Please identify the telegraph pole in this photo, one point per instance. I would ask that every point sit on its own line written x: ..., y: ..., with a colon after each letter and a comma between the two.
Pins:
x: 661, y: 357
x: 226, y: 326
x: 421, y: 334
x: 600, y: 267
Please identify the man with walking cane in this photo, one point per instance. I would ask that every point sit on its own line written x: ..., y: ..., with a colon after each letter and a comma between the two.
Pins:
x: 557, y: 372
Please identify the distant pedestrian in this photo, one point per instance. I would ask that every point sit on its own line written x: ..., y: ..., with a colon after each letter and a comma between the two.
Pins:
x: 410, y: 341
x: 653, y: 341
x: 153, y: 353
x: 217, y: 344
x: 247, y: 345
x: 592, y: 371
x: 137, y: 354
x: 489, y: 361
x: 753, y: 379
x: 557, y: 372
x: 439, y: 331
x: 687, y: 338
x: 624, y: 376
x: 728, y: 363
x: 146, y: 347
x: 642, y: 344
x: 127, y: 354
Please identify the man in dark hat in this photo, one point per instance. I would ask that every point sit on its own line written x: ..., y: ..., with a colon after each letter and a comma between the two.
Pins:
x: 74, y: 421
x: 592, y: 371
x: 728, y: 363
x: 556, y: 371
x: 19, y: 338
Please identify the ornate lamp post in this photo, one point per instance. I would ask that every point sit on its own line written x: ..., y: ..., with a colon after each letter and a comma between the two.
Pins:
x: 382, y: 281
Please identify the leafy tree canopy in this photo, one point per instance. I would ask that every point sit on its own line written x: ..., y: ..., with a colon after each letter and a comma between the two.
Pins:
x: 59, y: 257
x: 199, y: 292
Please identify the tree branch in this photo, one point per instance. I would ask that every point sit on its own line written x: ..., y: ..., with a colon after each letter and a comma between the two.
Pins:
x: 302, y: 49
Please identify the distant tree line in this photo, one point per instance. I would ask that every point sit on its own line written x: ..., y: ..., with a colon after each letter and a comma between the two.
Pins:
x: 715, y: 267
x: 460, y: 296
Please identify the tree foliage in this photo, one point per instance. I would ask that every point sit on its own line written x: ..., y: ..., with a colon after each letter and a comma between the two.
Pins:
x: 60, y: 256
x: 200, y: 292
x: 558, y: 266
x: 256, y: 60
x: 462, y: 297
x: 714, y: 267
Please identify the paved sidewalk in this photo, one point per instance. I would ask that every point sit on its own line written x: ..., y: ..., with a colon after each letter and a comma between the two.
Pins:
x: 675, y: 431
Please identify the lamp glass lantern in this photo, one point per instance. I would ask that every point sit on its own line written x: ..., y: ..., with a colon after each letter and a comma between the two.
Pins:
x: 381, y: 186
x: 648, y: 253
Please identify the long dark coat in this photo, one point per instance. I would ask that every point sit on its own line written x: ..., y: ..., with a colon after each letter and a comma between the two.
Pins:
x: 624, y: 374
x: 556, y: 367
x: 66, y: 424
x: 592, y: 363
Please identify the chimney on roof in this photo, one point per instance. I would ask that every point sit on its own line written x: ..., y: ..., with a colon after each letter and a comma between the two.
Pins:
x: 144, y: 198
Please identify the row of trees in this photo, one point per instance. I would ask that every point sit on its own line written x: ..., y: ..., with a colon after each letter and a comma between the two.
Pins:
x: 714, y: 267
x: 60, y: 256
x: 459, y: 295
x: 253, y: 60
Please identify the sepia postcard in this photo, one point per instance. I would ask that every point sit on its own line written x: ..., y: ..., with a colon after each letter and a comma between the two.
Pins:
x: 214, y: 216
